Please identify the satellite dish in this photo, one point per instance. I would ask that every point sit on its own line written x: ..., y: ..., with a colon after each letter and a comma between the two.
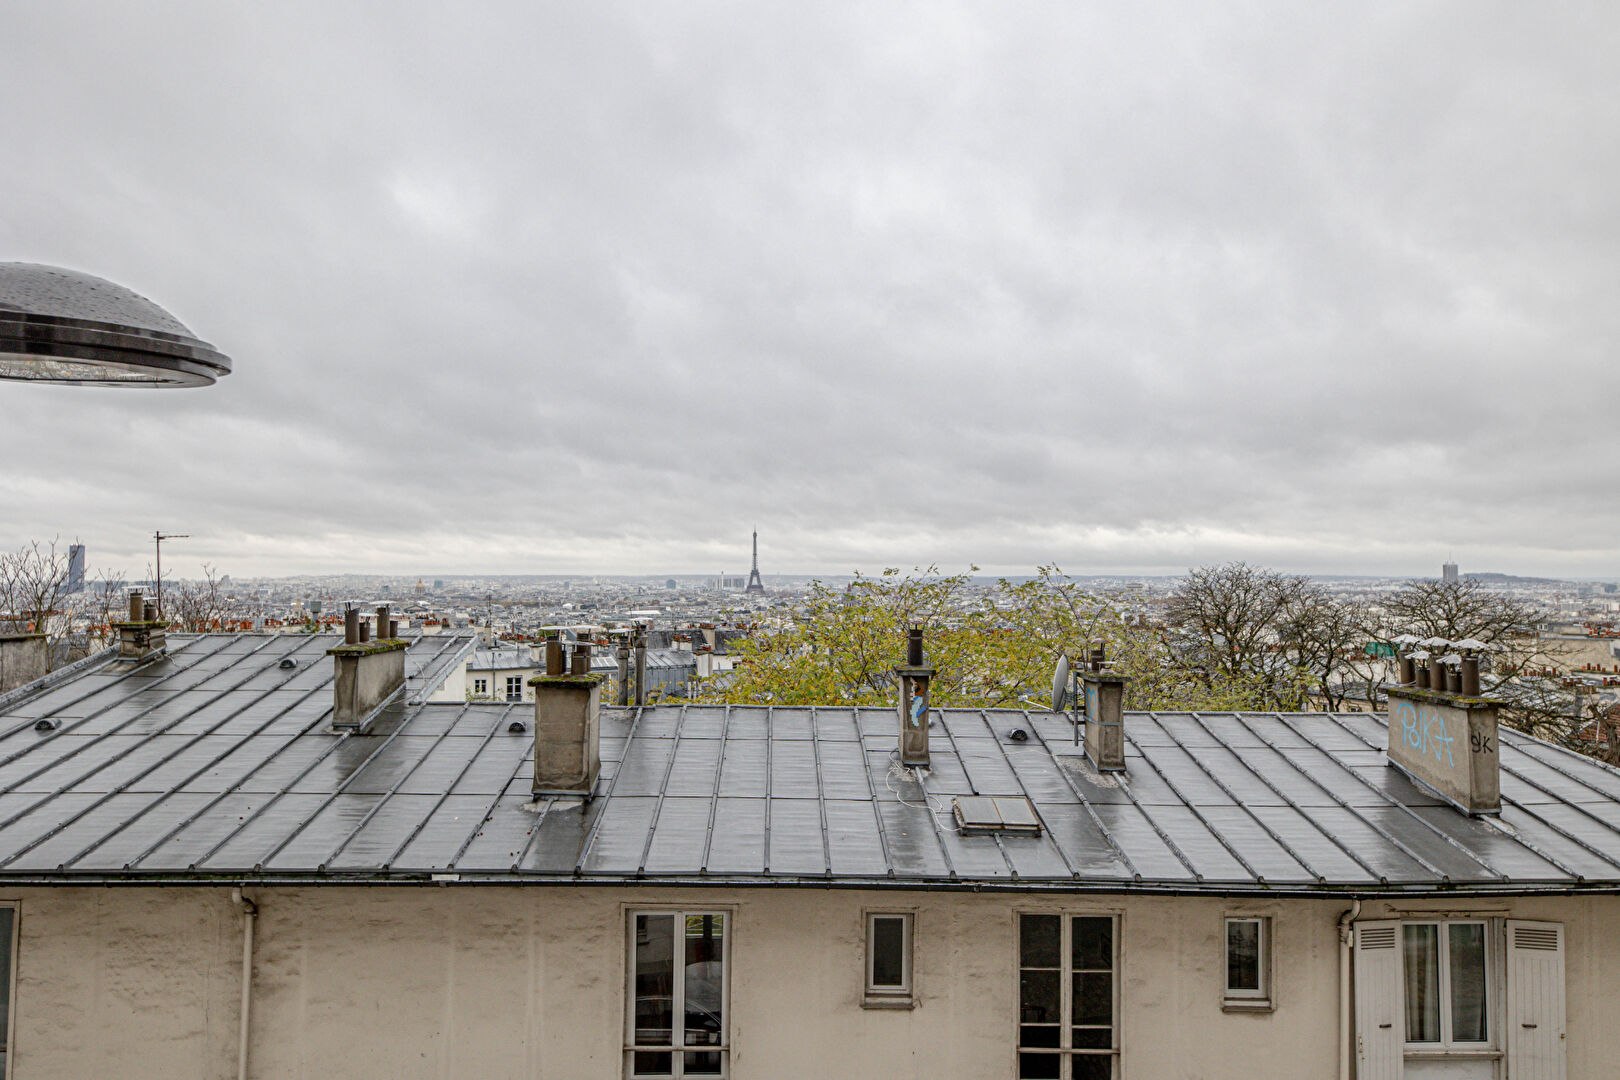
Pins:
x: 1060, y: 684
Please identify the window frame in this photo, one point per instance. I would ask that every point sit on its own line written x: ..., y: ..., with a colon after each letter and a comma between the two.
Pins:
x: 1065, y: 1051
x: 903, y: 996
x: 1235, y: 999
x: 1446, y: 1045
x: 677, y: 1051
x: 7, y: 1064
x: 480, y: 687
x: 514, y: 688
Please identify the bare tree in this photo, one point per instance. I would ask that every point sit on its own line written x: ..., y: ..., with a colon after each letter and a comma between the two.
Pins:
x: 1230, y: 619
x: 33, y: 589
x: 1328, y: 637
x: 197, y: 605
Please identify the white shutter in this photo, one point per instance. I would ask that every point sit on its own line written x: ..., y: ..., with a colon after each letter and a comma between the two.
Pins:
x: 1380, y: 1025
x: 1535, y: 1000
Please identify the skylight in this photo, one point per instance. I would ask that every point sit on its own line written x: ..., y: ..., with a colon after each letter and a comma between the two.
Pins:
x: 996, y: 814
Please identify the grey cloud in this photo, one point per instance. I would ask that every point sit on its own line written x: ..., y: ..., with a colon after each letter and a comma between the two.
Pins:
x: 960, y: 283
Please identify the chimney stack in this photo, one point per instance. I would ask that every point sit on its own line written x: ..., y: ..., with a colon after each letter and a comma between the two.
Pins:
x: 367, y: 672
x: 914, y: 678
x: 1105, y: 714
x: 567, y: 724
x: 640, y: 645
x: 1443, y: 734
x: 142, y: 635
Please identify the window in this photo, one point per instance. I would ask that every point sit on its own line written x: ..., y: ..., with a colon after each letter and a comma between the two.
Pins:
x: 1248, y: 963
x: 1446, y: 981
x: 1067, y: 991
x: 677, y: 970
x: 480, y: 686
x: 514, y: 688
x: 888, y: 960
x: 8, y: 953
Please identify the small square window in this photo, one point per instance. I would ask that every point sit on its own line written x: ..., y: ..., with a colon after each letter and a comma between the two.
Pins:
x: 1248, y: 962
x: 888, y: 960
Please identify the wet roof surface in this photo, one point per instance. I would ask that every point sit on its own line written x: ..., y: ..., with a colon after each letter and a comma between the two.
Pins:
x: 216, y: 762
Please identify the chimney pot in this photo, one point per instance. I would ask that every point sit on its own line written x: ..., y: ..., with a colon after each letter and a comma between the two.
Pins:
x: 150, y: 611
x: 351, y: 626
x: 582, y: 658
x: 1470, y: 677
x: 137, y: 606
x: 365, y: 631
x: 554, y: 656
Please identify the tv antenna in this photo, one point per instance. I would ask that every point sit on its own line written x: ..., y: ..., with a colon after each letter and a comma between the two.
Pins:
x: 157, y: 542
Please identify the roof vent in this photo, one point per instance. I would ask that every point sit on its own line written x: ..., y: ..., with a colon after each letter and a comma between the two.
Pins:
x: 995, y: 814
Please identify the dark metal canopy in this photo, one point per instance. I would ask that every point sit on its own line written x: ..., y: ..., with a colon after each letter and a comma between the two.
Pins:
x: 61, y: 326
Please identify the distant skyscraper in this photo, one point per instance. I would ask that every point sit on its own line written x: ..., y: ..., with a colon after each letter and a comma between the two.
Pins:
x: 754, y: 584
x: 1448, y: 573
x: 75, y: 578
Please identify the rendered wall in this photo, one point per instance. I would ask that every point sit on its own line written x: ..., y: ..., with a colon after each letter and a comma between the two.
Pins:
x: 506, y: 982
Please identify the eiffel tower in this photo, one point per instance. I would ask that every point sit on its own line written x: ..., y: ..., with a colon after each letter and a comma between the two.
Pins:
x: 754, y: 584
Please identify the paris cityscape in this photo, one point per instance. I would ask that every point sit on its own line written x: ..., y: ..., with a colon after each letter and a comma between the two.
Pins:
x: 638, y: 542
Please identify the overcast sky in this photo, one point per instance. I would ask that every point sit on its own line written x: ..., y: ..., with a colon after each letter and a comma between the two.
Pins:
x: 599, y: 288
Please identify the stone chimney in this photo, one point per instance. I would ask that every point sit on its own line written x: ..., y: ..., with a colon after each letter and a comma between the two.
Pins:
x: 567, y: 724
x: 1105, y: 715
x: 142, y: 634
x: 1442, y: 733
x: 368, y: 672
x: 914, y: 678
x: 23, y: 658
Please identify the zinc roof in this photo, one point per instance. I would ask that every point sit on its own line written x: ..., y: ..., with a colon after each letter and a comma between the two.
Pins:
x: 216, y: 763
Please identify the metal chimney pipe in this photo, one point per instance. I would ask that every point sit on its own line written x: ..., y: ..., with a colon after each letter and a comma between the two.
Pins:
x: 555, y: 663
x: 137, y: 606
x: 393, y: 628
x: 365, y: 631
x: 1437, y: 676
x: 1453, y: 680
x: 1408, y: 671
x: 914, y: 647
x: 382, y: 621
x: 582, y: 658
x: 623, y: 656
x: 149, y: 611
x: 641, y: 665
x: 1470, y: 676
x: 1098, y: 657
x: 351, y: 626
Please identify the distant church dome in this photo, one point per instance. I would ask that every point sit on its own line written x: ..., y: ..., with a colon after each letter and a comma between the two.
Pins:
x: 63, y: 326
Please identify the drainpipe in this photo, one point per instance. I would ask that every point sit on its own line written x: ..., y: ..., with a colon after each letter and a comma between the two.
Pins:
x: 250, y: 912
x: 1345, y: 1038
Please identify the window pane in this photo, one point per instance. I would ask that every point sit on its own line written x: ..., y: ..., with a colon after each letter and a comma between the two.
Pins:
x: 1038, y: 941
x: 1094, y: 998
x: 652, y: 1065
x: 1421, y: 949
x: 1039, y: 1035
x: 1094, y: 1038
x: 888, y: 951
x: 705, y: 979
x: 1467, y: 982
x: 1093, y: 1067
x: 655, y: 986
x: 704, y: 1064
x: 1038, y: 997
x: 1039, y: 1066
x: 1243, y: 954
x: 1093, y: 945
